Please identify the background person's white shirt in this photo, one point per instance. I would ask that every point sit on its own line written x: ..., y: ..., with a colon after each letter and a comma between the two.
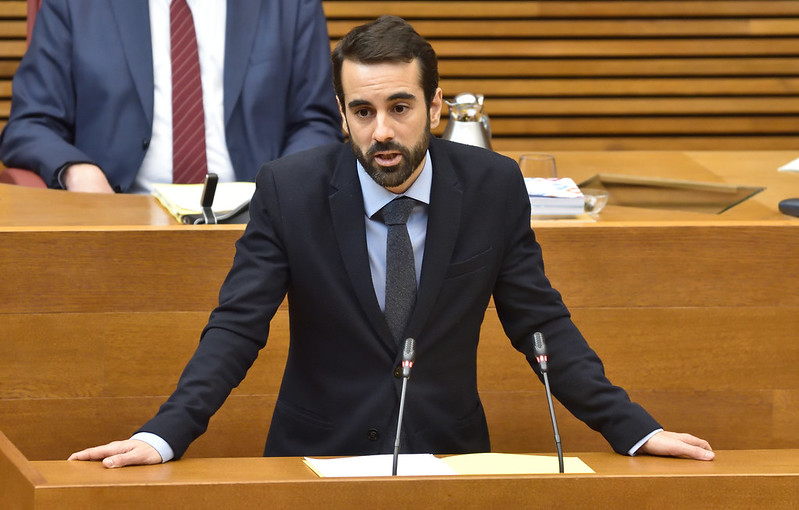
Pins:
x: 209, y: 24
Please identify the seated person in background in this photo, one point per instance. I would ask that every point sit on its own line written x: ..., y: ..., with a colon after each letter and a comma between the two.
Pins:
x: 323, y: 230
x: 92, y: 103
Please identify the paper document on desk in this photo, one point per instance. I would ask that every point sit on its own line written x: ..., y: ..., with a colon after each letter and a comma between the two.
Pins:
x: 416, y: 464
x: 183, y: 200
x: 793, y: 166
x: 513, y: 464
x: 554, y: 197
x: 429, y: 465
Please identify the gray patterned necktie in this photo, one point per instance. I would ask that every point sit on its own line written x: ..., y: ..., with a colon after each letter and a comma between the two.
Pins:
x: 400, y: 267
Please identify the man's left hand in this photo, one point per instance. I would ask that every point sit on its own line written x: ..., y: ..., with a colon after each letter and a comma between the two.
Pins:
x: 672, y: 444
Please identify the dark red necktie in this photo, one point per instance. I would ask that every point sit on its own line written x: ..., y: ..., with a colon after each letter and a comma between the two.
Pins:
x: 189, y: 163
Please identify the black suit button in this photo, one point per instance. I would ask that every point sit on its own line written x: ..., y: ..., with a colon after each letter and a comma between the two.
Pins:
x: 398, y: 372
x: 373, y: 434
x: 145, y: 144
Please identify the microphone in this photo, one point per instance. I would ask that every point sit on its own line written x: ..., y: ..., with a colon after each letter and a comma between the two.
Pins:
x: 207, y: 199
x: 408, y: 357
x: 541, y: 357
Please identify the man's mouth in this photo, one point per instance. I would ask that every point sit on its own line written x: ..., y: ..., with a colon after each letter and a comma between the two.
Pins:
x: 387, y: 158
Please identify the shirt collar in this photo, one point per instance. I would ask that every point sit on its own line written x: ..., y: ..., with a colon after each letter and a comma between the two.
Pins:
x: 376, y: 196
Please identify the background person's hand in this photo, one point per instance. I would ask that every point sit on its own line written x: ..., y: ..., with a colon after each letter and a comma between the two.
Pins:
x: 85, y: 177
x: 131, y: 452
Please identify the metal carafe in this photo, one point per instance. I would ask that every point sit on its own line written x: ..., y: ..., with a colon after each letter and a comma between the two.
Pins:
x: 467, y: 122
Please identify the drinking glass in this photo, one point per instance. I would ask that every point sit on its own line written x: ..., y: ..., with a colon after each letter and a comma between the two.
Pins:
x: 537, y: 164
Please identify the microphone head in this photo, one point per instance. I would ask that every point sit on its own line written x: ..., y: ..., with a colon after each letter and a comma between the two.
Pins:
x: 539, y: 345
x: 409, y: 351
x: 408, y: 356
x: 540, y: 349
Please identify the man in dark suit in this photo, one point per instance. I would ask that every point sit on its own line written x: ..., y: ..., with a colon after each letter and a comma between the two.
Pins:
x: 91, y: 105
x: 315, y: 235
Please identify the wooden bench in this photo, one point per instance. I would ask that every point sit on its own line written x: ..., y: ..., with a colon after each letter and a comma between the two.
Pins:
x: 591, y: 75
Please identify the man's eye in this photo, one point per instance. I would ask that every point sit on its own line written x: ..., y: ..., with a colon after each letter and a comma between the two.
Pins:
x: 362, y: 113
x: 400, y: 108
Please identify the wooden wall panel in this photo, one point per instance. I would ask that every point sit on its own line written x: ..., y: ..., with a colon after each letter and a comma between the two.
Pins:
x: 575, y: 75
x: 115, y: 272
x: 122, y: 279
x: 694, y: 368
x: 695, y: 320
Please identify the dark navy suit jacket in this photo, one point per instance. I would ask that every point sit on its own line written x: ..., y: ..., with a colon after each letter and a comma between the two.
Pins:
x: 84, y: 89
x: 339, y: 396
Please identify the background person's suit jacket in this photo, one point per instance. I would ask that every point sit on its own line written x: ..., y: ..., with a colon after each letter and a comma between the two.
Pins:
x: 84, y: 89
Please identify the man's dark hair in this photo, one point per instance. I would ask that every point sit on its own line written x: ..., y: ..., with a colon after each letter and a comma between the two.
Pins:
x: 387, y: 39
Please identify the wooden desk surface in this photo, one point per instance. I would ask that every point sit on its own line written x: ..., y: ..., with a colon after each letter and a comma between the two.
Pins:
x: 743, y: 168
x: 22, y: 206
x: 35, y: 207
x: 736, y: 479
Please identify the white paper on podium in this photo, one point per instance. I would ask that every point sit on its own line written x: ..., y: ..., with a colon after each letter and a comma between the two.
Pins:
x: 421, y: 464
x: 426, y: 464
x: 793, y: 166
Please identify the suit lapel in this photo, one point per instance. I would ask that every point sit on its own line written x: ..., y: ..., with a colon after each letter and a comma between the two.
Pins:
x: 347, y: 213
x: 132, y: 19
x: 443, y: 224
x: 242, y: 24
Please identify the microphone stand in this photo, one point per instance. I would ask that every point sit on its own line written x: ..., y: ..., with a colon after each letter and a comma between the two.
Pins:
x: 554, y: 423
x: 399, y: 428
x: 408, y: 356
x: 541, y: 357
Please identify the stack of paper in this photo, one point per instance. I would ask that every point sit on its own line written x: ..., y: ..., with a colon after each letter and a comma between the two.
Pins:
x: 183, y: 200
x: 554, y: 196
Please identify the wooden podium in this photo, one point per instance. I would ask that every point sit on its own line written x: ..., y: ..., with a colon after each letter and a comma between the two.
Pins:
x: 736, y: 479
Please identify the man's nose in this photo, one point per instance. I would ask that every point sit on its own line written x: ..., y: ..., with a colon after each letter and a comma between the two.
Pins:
x: 384, y: 129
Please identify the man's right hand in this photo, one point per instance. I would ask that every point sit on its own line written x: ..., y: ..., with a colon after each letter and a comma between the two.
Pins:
x: 85, y: 177
x: 120, y: 453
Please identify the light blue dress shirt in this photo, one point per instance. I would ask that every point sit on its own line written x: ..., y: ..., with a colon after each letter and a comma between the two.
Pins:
x: 375, y: 197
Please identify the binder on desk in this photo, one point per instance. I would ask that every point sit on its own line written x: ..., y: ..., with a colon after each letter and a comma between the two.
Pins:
x: 675, y: 194
x: 231, y: 203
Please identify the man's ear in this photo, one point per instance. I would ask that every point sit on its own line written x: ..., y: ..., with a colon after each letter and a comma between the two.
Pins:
x: 344, y: 126
x: 435, y: 108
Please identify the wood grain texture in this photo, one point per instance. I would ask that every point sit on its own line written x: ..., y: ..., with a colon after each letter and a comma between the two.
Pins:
x: 736, y: 479
x: 612, y: 75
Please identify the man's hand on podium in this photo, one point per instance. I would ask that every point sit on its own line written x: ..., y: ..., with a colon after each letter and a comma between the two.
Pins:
x: 131, y: 452
x: 672, y: 444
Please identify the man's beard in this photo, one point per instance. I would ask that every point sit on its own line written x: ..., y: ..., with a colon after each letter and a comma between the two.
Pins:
x: 393, y: 176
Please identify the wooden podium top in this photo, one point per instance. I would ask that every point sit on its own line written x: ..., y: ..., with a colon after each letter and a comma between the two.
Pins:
x: 28, y: 207
x: 736, y: 479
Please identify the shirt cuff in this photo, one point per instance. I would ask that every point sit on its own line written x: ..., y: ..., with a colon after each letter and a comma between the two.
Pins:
x: 634, y: 450
x: 161, y: 446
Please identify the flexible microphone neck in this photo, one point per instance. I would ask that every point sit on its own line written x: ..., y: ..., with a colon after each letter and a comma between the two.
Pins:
x: 541, y: 357
x: 408, y: 357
